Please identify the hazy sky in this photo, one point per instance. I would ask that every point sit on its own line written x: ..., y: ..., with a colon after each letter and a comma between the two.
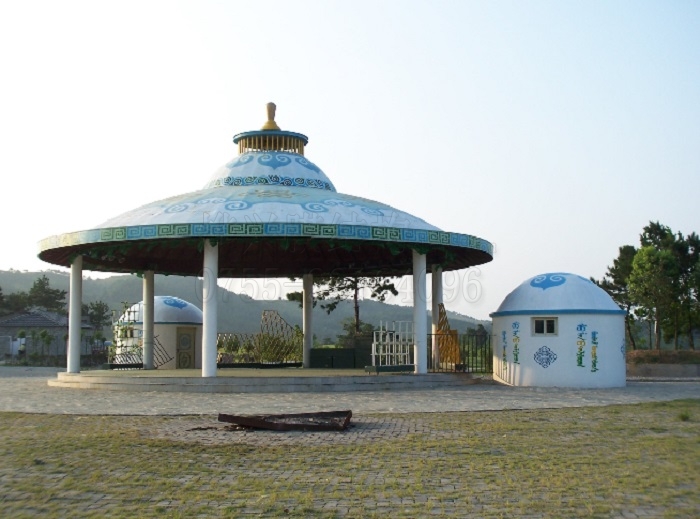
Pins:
x: 554, y: 129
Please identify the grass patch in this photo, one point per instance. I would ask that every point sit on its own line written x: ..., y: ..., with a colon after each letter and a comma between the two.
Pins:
x: 576, y: 462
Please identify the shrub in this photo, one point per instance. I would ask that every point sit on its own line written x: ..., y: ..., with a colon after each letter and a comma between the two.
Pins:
x: 663, y: 357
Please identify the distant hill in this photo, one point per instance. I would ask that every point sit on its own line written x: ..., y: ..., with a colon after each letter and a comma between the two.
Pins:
x: 237, y: 312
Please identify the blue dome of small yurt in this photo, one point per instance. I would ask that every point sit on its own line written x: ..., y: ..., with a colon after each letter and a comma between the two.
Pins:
x: 559, y: 293
x: 166, y: 310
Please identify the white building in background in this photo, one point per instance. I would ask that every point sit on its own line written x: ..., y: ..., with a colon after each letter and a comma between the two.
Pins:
x: 561, y: 330
x: 177, y: 330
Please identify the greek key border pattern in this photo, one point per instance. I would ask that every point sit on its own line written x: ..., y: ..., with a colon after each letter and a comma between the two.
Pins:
x: 303, y: 230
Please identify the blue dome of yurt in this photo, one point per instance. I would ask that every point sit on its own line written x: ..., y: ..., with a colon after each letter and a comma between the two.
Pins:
x: 166, y: 310
x: 560, y: 293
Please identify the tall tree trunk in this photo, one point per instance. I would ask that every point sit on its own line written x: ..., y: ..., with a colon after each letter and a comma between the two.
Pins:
x: 675, y: 331
x: 628, y: 324
x: 357, y: 309
x: 691, y: 342
x: 657, y: 330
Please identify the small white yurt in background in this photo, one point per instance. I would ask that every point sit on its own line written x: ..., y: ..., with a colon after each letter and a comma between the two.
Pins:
x: 559, y: 330
x: 177, y: 330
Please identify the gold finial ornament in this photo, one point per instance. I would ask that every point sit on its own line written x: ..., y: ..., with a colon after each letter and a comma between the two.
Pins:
x: 270, y: 124
x: 270, y: 138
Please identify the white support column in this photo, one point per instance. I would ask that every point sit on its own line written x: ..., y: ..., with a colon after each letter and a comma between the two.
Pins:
x: 75, y: 308
x: 209, y: 308
x: 148, y: 318
x: 436, y: 279
x: 420, y: 321
x: 308, y: 304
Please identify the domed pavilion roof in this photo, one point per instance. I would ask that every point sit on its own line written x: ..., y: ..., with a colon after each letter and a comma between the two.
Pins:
x: 273, y: 213
x: 557, y: 293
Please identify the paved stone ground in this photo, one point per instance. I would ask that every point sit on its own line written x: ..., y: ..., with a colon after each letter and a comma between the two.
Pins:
x: 25, y: 390
x: 377, y: 415
x: 206, y: 430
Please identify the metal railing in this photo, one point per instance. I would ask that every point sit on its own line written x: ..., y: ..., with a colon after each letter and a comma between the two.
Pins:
x: 466, y: 353
x: 256, y: 350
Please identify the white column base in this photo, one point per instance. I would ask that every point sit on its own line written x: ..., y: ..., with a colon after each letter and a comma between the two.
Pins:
x: 209, y: 309
x: 436, y: 280
x: 420, y: 317
x: 308, y: 304
x: 75, y: 309
x: 148, y: 318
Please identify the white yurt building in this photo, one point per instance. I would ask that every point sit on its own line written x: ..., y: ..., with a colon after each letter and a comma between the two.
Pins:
x: 177, y: 330
x: 560, y: 330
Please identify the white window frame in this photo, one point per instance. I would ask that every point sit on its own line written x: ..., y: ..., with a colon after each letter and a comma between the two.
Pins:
x: 544, y: 320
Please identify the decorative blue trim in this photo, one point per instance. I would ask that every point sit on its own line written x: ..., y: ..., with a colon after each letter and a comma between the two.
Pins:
x: 546, y: 281
x: 545, y: 357
x: 256, y: 230
x: 554, y: 313
x: 175, y: 302
x: 274, y: 160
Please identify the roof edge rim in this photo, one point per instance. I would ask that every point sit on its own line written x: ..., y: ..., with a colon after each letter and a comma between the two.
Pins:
x: 252, y: 133
x: 554, y: 311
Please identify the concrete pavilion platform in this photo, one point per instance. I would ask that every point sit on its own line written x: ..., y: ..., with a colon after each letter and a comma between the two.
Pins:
x: 287, y: 380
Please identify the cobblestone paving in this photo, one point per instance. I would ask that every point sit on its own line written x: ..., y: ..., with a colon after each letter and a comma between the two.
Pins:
x: 26, y: 390
x: 192, y: 419
x: 206, y: 430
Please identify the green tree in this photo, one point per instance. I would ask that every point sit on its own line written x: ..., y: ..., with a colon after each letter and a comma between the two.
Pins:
x: 3, y: 304
x: 46, y: 339
x: 479, y: 334
x: 694, y: 283
x: 347, y: 340
x: 687, y: 250
x: 99, y: 314
x: 616, y: 284
x: 653, y: 285
x: 16, y: 302
x: 41, y: 295
x: 659, y: 236
x: 333, y: 290
x: 681, y: 315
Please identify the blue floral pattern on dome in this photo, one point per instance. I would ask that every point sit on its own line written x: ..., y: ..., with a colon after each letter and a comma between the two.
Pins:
x: 241, y: 160
x: 545, y: 357
x: 307, y: 164
x: 323, y: 207
x: 546, y: 281
x: 274, y: 180
x: 236, y: 205
x: 273, y: 159
x: 175, y: 302
x: 315, y: 207
x: 177, y: 208
x: 204, y: 201
x: 244, y: 171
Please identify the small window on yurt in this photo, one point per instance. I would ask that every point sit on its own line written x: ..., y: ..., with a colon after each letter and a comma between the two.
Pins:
x: 544, y: 325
